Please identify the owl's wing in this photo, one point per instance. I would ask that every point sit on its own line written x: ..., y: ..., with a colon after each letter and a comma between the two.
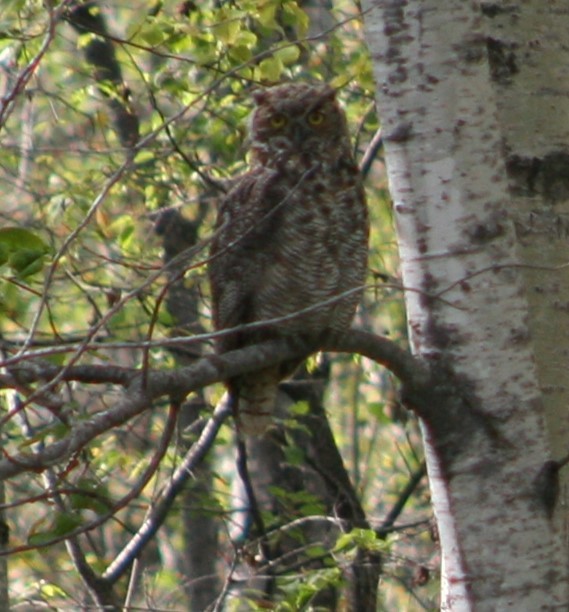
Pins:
x: 242, y: 249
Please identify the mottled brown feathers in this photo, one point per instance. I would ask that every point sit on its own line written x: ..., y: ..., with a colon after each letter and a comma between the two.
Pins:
x: 291, y: 234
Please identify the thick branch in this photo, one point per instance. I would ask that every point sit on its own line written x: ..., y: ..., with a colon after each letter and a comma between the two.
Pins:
x: 410, y: 370
x: 150, y: 385
x: 140, y: 394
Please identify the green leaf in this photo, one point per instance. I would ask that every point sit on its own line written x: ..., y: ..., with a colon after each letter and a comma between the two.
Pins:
x: 266, y: 16
x: 240, y: 53
x: 269, y: 69
x: 288, y: 55
x: 246, y: 39
x: 62, y: 524
x: 295, y: 455
x: 227, y: 31
x: 4, y: 254
x: 153, y: 34
x: 65, y: 522
x: 300, y: 408
x: 295, y: 16
x: 26, y: 262
x: 83, y: 500
x: 344, y: 542
x: 316, y: 551
x: 17, y: 238
x: 361, y: 538
x: 51, y: 591
x: 22, y: 250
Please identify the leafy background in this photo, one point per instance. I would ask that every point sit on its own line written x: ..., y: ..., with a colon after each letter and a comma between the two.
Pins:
x: 87, y: 160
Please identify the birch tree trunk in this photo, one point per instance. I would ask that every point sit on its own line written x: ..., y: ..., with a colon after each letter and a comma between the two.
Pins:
x: 529, y: 61
x: 467, y: 307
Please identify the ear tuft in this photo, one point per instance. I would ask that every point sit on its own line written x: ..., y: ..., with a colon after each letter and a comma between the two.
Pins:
x: 328, y: 93
x: 259, y: 96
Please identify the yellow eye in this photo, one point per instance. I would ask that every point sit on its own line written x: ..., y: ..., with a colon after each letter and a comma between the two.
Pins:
x: 278, y: 121
x: 316, y: 118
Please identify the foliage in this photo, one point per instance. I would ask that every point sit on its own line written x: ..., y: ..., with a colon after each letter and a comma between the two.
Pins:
x: 88, y: 154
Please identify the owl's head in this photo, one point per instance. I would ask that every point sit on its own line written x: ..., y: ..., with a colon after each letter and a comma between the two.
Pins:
x: 296, y: 121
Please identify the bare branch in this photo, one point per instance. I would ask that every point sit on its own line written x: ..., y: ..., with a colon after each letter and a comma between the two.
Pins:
x: 142, y: 391
x: 386, y: 526
x: 159, y: 511
x: 371, y: 152
x: 7, y: 102
x: 138, y: 398
x: 410, y: 371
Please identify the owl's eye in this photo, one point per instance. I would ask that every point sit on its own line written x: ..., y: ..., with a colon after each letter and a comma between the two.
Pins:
x: 278, y: 121
x: 316, y: 117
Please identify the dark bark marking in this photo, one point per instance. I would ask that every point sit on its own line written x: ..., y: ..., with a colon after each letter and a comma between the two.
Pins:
x: 491, y: 229
x: 491, y: 9
x: 533, y: 176
x: 547, y: 486
x: 502, y: 60
x: 400, y: 133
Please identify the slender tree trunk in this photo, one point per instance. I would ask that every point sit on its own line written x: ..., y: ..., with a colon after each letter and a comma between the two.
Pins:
x: 4, y: 542
x: 200, y: 526
x: 466, y: 305
x: 322, y: 474
x: 529, y: 59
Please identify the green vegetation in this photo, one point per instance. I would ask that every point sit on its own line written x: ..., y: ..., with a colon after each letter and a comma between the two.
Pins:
x: 109, y: 115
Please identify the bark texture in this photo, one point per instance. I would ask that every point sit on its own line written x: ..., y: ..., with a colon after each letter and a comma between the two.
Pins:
x: 466, y: 304
x: 529, y: 61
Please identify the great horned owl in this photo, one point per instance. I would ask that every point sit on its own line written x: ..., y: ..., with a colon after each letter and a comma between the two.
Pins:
x: 292, y: 233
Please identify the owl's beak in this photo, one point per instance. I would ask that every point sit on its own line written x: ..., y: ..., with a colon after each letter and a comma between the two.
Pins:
x: 298, y: 135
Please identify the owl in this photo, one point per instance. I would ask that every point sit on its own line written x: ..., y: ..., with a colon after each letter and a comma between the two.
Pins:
x: 291, y: 235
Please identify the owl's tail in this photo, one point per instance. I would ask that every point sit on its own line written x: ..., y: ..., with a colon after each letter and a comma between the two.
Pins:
x: 257, y: 396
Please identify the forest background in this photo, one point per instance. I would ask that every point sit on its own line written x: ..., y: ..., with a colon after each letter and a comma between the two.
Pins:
x: 113, y: 114
x: 123, y: 487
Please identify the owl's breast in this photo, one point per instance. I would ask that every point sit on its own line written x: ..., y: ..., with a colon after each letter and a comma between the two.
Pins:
x: 318, y: 251
x: 291, y: 244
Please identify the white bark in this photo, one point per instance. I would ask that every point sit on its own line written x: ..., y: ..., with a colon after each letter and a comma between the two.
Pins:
x: 466, y: 304
x: 530, y: 67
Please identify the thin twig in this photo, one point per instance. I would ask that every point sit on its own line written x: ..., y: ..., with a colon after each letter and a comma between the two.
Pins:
x: 220, y: 600
x: 124, y: 501
x: 371, y: 152
x: 158, y: 513
x: 7, y: 102
x: 389, y: 521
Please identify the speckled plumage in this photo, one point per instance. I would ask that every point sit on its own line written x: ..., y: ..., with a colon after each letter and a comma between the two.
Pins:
x: 290, y: 234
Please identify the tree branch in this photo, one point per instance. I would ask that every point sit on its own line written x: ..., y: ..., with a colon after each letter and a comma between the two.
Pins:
x: 157, y: 514
x: 86, y: 18
x: 386, y: 526
x: 146, y: 387
x: 410, y: 370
